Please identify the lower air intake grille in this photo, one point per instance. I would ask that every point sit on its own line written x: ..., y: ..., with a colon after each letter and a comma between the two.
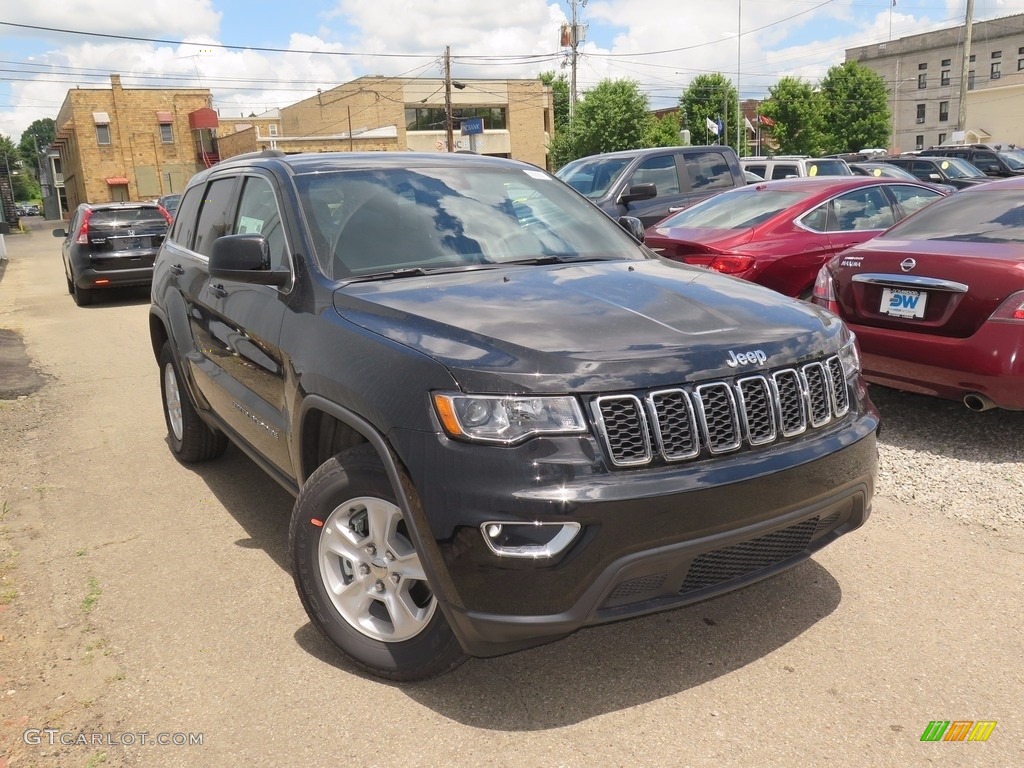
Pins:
x: 639, y: 586
x: 748, y: 557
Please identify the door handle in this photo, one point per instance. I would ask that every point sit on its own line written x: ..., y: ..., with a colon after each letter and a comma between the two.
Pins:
x: 218, y: 291
x: 177, y: 269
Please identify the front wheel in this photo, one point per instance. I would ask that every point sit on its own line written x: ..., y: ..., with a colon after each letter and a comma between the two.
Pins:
x: 359, y: 575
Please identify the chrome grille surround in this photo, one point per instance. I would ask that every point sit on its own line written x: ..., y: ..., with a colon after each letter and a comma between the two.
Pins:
x: 719, y: 417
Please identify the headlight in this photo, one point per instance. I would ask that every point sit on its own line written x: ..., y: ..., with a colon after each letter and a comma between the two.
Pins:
x: 507, y: 419
x: 849, y: 355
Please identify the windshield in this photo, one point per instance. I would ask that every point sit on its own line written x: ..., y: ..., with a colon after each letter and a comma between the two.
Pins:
x: 734, y: 210
x: 958, y: 168
x: 592, y: 176
x: 1014, y: 159
x: 377, y: 222
x: 977, y: 216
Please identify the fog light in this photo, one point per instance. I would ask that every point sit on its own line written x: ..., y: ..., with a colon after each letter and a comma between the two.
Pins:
x: 534, y: 540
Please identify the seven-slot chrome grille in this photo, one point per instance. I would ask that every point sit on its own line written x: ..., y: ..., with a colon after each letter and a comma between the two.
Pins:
x: 720, y: 416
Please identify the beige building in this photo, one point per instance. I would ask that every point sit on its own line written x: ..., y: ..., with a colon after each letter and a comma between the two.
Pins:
x: 923, y: 74
x: 133, y: 143
x: 381, y: 114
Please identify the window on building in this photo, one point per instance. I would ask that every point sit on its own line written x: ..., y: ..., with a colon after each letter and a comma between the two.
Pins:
x: 943, y: 111
x: 970, y: 80
x: 102, y: 121
x: 944, y: 77
x: 994, y: 73
x: 972, y: 58
x: 997, y: 54
x: 946, y: 62
x: 922, y: 80
x: 922, y: 66
x: 432, y: 118
x: 166, y: 133
x: 272, y: 129
x: 1020, y: 51
x: 919, y: 142
x: 1020, y: 64
x: 920, y: 113
x: 942, y: 138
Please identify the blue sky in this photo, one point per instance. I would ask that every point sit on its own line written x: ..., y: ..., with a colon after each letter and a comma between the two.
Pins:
x: 661, y: 44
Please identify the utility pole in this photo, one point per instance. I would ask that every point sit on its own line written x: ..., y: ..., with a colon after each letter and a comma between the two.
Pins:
x: 448, y: 97
x: 574, y: 40
x: 739, y: 99
x: 961, y: 120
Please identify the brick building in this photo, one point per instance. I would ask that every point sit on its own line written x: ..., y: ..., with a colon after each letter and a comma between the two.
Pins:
x: 380, y: 113
x: 133, y: 143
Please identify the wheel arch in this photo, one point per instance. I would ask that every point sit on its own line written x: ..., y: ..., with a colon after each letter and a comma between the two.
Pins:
x: 323, y: 425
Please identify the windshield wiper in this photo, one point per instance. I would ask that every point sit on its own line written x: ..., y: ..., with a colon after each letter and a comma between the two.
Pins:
x: 550, y: 258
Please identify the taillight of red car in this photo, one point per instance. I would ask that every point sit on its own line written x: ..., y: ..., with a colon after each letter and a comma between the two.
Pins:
x: 82, y: 237
x: 731, y: 263
x: 1011, y: 310
x: 824, y: 292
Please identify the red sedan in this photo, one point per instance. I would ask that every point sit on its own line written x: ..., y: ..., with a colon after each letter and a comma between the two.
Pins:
x: 937, y: 302
x: 780, y: 233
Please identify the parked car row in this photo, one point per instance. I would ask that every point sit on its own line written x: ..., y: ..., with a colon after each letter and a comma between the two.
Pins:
x: 28, y: 209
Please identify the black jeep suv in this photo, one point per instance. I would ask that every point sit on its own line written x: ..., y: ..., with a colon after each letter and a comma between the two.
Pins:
x: 503, y: 418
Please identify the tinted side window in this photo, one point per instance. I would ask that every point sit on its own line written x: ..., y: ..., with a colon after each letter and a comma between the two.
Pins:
x: 709, y: 170
x: 784, y: 171
x: 213, y: 215
x: 986, y: 161
x: 660, y: 171
x: 818, y: 218
x: 258, y: 214
x: 912, y: 198
x: 758, y: 169
x: 863, y: 209
x: 185, y: 219
x: 922, y: 169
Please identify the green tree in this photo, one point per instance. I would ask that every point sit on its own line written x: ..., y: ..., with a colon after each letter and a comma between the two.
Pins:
x: 855, y: 108
x: 23, y: 185
x: 663, y: 131
x: 795, y: 108
x: 560, y: 97
x: 710, y: 97
x: 34, y: 139
x: 611, y: 116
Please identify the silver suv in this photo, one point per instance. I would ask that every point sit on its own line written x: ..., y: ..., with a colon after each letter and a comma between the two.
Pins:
x: 771, y: 167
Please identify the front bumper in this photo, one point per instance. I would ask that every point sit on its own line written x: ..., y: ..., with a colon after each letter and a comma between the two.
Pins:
x: 651, y: 539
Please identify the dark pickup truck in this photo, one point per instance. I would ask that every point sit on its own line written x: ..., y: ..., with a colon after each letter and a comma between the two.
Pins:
x: 502, y: 417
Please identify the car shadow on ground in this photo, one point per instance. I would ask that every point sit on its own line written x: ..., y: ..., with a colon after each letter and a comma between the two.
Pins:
x: 947, y: 428
x: 593, y: 672
x: 118, y: 297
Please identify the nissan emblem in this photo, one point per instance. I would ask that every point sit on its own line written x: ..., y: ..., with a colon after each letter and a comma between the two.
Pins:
x: 907, y: 264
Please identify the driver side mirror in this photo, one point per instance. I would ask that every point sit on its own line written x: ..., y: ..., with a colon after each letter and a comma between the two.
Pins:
x: 633, y: 226
x: 638, y: 192
x: 245, y: 259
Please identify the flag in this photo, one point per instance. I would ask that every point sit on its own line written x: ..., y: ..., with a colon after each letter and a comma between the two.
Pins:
x: 721, y: 128
x: 711, y: 125
x: 765, y: 120
x: 750, y: 127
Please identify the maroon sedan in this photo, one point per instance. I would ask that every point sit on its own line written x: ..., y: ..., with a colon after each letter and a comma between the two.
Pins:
x: 937, y: 302
x: 780, y: 233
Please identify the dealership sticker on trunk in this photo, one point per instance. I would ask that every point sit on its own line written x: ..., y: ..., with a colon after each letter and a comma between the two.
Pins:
x: 900, y: 302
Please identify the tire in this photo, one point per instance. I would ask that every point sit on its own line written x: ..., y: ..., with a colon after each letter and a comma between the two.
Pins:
x: 359, y: 576
x: 71, y: 285
x: 83, y: 296
x: 191, y: 439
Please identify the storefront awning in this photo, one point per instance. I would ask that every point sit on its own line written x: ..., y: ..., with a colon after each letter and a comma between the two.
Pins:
x: 115, y: 180
x: 164, y: 117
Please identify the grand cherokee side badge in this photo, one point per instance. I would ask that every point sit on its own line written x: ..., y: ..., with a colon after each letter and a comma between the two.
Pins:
x: 907, y: 264
x: 746, y: 358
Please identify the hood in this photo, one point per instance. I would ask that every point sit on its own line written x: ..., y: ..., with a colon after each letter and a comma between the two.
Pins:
x: 597, y: 326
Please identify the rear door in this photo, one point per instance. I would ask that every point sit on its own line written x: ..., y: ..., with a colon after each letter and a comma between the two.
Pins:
x: 708, y: 171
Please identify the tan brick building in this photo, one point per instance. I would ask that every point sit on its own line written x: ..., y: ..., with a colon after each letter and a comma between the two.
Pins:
x: 380, y: 114
x: 133, y: 143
